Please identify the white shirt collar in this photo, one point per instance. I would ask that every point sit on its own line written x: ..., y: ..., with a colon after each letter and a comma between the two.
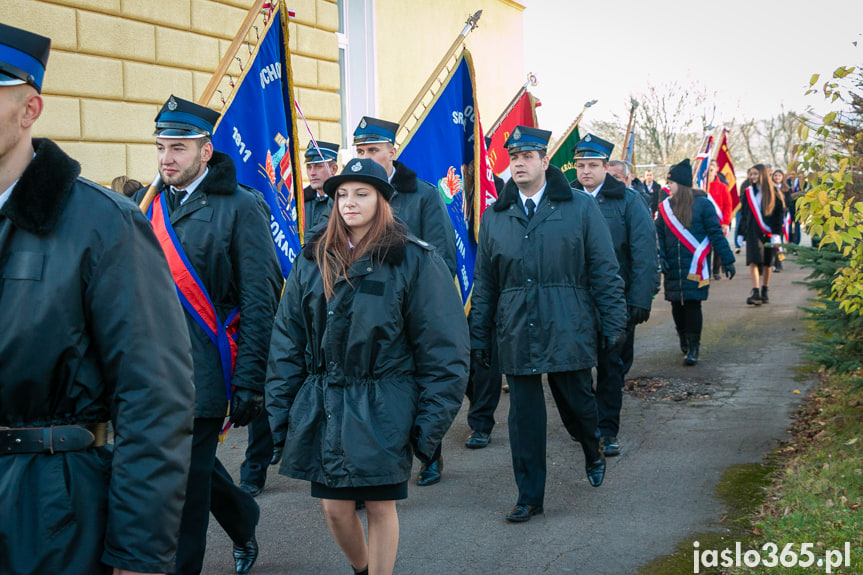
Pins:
x: 595, y: 192
x: 537, y: 197
x: 191, y: 187
x: 5, y: 195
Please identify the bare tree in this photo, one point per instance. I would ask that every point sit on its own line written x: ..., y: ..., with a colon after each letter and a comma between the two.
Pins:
x: 769, y: 141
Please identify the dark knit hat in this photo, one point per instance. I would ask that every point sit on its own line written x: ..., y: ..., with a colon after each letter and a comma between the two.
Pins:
x: 681, y: 173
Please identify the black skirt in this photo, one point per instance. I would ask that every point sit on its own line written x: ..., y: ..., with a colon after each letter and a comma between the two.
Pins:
x: 392, y: 492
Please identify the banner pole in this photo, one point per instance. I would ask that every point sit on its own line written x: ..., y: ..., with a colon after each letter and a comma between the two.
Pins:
x: 531, y: 81
x: 571, y: 127
x: 470, y: 25
x: 212, y: 85
x: 629, y: 128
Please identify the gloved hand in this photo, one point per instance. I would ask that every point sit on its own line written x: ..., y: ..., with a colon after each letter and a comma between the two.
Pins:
x: 663, y: 265
x: 278, y: 448
x: 740, y: 241
x: 729, y: 270
x: 638, y: 315
x: 481, y: 357
x: 246, y: 405
x: 612, y: 343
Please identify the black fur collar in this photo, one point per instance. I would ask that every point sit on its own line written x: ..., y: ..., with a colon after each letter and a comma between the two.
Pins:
x: 392, y: 247
x: 557, y: 189
x: 404, y: 179
x: 222, y: 177
x: 611, y: 187
x: 41, y: 195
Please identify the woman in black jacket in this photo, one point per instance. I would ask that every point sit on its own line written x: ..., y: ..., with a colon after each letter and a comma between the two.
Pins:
x: 368, y: 363
x: 687, y: 228
x: 762, y: 209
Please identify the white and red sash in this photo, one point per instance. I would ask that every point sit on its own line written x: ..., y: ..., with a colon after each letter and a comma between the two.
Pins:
x: 698, y: 269
x: 715, y: 206
x: 755, y: 208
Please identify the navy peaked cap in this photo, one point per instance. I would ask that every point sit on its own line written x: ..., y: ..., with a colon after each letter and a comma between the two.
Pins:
x: 592, y: 146
x: 325, y: 152
x: 23, y: 57
x: 180, y: 118
x: 525, y: 138
x: 373, y: 131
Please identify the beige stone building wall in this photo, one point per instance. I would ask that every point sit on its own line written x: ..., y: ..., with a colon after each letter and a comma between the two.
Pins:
x: 113, y: 63
x: 412, y: 37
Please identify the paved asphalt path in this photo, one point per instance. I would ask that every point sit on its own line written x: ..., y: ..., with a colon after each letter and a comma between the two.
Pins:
x: 659, y: 491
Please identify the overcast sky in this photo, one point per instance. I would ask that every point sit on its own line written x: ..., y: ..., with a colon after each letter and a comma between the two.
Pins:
x: 756, y: 54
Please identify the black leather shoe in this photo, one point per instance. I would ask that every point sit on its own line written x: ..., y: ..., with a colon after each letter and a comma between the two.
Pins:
x: 430, y: 474
x: 596, y: 472
x: 251, y: 488
x: 245, y: 556
x: 609, y: 445
x: 522, y: 512
x: 277, y: 455
x: 477, y: 440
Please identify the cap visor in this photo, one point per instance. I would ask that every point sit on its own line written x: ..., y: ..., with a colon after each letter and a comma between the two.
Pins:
x: 175, y: 133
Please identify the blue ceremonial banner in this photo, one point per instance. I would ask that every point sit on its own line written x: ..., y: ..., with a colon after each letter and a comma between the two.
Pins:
x: 440, y: 149
x: 258, y: 131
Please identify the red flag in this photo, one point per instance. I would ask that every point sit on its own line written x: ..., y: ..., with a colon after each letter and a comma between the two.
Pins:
x: 726, y: 168
x: 523, y: 113
x: 487, y: 192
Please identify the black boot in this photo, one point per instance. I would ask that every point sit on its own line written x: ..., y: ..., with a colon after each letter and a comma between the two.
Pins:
x: 692, y: 356
x: 764, y: 298
x: 755, y: 298
x: 684, y: 344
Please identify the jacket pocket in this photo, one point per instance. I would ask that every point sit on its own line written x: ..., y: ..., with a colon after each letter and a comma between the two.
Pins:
x: 55, y: 497
x: 24, y: 266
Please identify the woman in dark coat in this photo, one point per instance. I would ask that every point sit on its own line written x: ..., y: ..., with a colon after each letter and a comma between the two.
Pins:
x: 687, y: 228
x: 368, y: 363
x: 762, y: 209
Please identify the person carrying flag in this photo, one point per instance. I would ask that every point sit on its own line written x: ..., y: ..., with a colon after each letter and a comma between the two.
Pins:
x: 418, y: 205
x: 547, y: 276
x: 720, y: 197
x: 321, y: 165
x: 92, y: 333
x: 634, y: 239
x: 216, y: 235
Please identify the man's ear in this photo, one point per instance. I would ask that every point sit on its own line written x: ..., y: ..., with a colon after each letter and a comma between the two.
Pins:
x: 33, y: 110
x: 207, y: 152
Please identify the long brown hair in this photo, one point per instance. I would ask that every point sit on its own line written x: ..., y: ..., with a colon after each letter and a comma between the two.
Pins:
x: 333, y: 252
x: 681, y: 205
x: 769, y: 195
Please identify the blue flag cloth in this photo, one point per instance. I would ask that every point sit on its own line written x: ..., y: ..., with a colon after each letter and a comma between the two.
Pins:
x: 440, y: 149
x: 258, y: 131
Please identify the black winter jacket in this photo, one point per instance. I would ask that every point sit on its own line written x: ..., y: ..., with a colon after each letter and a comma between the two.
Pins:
x: 92, y: 331
x: 418, y: 204
x: 676, y: 259
x: 634, y: 237
x: 317, y: 210
x: 357, y: 384
x: 550, y: 284
x: 224, y: 229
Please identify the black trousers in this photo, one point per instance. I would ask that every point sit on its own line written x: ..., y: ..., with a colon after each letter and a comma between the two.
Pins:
x: 483, y: 390
x: 211, y: 488
x: 687, y: 317
x: 259, y: 451
x: 573, y: 395
x: 611, y: 369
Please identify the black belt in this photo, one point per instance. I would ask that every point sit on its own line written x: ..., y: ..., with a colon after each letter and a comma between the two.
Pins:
x: 52, y: 439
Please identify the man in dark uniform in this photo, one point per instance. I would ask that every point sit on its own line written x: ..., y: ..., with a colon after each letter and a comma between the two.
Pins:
x: 634, y: 238
x: 418, y: 204
x: 223, y: 232
x: 92, y: 332
x: 321, y: 165
x: 547, y: 274
x: 655, y: 191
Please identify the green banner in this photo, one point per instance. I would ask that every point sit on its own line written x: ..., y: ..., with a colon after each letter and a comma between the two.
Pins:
x: 562, y: 158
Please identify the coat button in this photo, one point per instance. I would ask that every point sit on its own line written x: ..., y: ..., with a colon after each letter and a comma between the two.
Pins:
x: 329, y: 313
x: 530, y: 324
x: 525, y: 237
x: 529, y: 280
x: 534, y: 370
x: 368, y: 269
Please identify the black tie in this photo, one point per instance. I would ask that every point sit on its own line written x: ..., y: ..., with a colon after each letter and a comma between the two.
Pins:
x: 175, y: 197
x: 528, y: 203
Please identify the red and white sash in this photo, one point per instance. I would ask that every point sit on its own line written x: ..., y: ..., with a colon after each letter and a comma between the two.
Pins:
x: 698, y: 269
x: 715, y: 206
x: 755, y: 208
